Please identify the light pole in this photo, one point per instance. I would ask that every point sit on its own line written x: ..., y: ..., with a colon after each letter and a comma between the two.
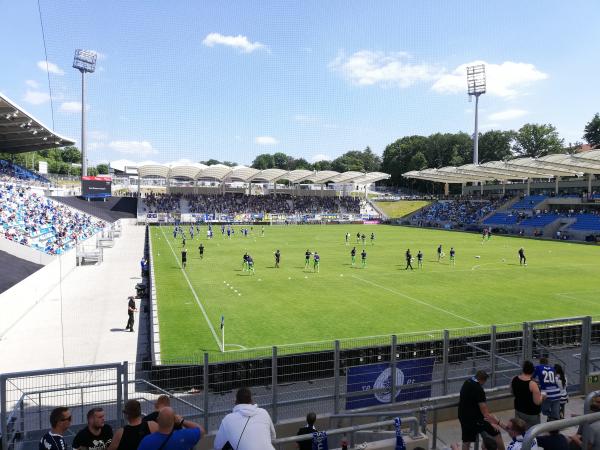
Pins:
x: 85, y: 62
x: 476, y: 86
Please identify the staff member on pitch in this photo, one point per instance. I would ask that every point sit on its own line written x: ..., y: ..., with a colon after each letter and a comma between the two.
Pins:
x: 184, y: 257
x: 131, y: 309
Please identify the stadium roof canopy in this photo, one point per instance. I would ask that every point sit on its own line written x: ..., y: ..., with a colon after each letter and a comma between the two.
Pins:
x: 550, y: 166
x: 21, y: 132
x: 221, y: 172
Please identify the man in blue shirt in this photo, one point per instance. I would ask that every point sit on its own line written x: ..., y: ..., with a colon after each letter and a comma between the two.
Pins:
x: 545, y: 375
x: 60, y: 420
x: 167, y: 438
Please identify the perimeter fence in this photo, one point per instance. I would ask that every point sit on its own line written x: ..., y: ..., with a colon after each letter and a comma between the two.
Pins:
x: 325, y: 377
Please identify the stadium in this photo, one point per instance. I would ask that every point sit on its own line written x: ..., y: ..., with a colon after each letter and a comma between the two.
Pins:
x: 346, y: 298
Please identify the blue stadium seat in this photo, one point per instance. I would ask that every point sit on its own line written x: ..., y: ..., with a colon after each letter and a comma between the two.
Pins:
x: 529, y: 202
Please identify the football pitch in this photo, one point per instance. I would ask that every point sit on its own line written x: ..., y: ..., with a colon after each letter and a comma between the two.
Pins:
x: 294, y: 304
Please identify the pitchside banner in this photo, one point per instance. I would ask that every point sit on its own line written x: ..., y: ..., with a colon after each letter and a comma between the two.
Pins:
x: 379, y: 377
x: 99, y: 186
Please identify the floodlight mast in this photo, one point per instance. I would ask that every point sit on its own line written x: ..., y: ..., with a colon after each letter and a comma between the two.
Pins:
x: 476, y: 84
x: 85, y: 62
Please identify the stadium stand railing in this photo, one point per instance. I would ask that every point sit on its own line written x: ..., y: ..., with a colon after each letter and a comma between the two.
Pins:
x: 327, y: 377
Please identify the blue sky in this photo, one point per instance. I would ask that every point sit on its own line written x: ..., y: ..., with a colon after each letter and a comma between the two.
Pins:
x: 196, y: 80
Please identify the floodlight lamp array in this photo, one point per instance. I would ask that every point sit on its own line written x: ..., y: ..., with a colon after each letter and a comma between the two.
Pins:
x: 476, y: 80
x: 85, y: 60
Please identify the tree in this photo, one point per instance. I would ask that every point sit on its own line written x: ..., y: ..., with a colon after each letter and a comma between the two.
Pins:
x: 71, y: 155
x: 262, y: 162
x: 418, y: 161
x: 592, y: 131
x: 282, y: 161
x: 210, y: 162
x: 535, y: 140
x: 102, y: 169
x: 302, y: 164
x: 496, y: 145
x: 93, y: 171
x: 322, y: 165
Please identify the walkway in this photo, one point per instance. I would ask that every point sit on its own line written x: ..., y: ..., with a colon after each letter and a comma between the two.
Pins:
x: 85, y: 316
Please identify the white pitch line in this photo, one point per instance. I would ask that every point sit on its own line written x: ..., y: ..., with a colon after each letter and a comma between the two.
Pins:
x: 212, y: 330
x: 418, y: 301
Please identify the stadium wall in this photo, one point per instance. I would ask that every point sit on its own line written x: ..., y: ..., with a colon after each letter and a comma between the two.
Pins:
x: 16, y: 302
x: 25, y: 252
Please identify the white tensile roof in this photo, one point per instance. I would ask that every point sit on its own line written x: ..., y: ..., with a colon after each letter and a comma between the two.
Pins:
x: 221, y: 172
x: 551, y: 166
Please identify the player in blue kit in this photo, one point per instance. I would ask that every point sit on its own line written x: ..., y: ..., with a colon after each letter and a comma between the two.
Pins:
x: 316, y: 262
x: 545, y: 375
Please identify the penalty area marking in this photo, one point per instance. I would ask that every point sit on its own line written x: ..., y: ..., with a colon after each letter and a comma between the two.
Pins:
x: 241, y: 347
x: 418, y: 301
x: 212, y: 330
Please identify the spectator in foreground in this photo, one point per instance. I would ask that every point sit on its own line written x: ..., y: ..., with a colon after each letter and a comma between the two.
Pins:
x: 516, y: 429
x: 546, y: 377
x: 553, y: 441
x: 473, y: 411
x: 528, y: 398
x: 311, y: 418
x: 60, y: 421
x: 130, y: 436
x: 169, y: 438
x: 163, y: 401
x: 96, y: 435
x: 561, y: 381
x: 248, y: 427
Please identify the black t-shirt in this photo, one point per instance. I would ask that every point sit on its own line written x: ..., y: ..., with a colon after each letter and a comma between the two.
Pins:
x: 130, y: 304
x: 153, y: 417
x: 306, y: 445
x: 85, y: 438
x: 471, y: 395
x: 184, y: 254
x: 553, y: 442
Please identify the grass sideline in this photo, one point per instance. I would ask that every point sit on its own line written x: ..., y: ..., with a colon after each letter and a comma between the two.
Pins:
x: 401, y: 208
x: 293, y: 305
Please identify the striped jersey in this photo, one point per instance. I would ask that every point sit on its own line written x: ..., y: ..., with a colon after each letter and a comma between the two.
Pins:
x: 546, y: 377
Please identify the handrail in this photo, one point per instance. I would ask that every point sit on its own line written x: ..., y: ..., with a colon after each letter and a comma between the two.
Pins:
x: 587, y: 408
x: 414, y: 424
x: 366, y: 426
x: 185, y: 402
x: 556, y: 425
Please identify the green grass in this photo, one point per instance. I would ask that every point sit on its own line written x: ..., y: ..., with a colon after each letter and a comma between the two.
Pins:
x: 293, y: 305
x: 401, y: 208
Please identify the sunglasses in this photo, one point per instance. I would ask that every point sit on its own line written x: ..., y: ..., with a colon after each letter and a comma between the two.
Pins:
x: 64, y: 419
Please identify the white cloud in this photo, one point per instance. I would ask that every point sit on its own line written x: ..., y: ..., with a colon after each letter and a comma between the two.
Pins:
x: 240, y: 42
x: 320, y: 157
x: 51, y: 67
x: 140, y: 148
x: 266, y: 140
x: 508, y: 114
x: 99, y: 55
x: 32, y: 84
x: 367, y: 68
x: 98, y: 135
x: 36, y: 97
x: 503, y: 80
x: 70, y: 107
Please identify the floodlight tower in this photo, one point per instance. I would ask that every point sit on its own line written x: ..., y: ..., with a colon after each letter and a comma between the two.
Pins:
x: 85, y: 62
x: 476, y: 86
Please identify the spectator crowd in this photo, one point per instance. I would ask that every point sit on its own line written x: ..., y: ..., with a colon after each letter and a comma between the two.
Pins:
x: 39, y: 222
x: 13, y: 173
x: 461, y: 212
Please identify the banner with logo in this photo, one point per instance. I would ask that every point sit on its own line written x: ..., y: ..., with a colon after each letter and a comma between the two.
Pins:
x: 375, y: 381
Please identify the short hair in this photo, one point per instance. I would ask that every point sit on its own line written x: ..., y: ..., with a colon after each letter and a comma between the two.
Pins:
x: 543, y: 360
x: 57, y: 414
x: 528, y: 368
x: 311, y: 418
x: 132, y: 409
x: 481, y: 375
x: 93, y: 411
x: 163, y: 400
x: 243, y: 396
x: 519, y: 425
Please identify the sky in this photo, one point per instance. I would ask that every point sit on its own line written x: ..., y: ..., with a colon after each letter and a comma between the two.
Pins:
x: 195, y: 80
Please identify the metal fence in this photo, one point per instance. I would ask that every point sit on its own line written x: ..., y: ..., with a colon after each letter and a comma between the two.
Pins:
x: 290, y: 380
